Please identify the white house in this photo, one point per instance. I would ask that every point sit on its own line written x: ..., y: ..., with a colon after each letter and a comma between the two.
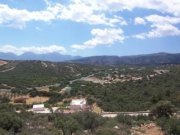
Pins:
x: 78, y: 104
x: 38, y: 107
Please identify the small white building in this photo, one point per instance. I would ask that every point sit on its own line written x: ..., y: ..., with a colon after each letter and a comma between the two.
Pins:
x: 78, y: 104
x: 38, y: 107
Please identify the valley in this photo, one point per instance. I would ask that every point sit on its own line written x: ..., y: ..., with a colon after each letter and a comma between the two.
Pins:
x: 89, y: 67
x: 113, y: 93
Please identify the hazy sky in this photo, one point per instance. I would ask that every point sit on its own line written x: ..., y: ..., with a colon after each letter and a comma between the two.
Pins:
x: 90, y: 27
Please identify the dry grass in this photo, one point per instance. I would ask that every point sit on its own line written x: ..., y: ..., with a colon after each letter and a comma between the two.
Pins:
x: 37, y: 99
x: 31, y: 100
x: 96, y: 109
x: 147, y: 129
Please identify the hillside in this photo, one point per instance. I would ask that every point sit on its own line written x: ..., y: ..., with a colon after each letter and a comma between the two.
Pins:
x: 114, y: 88
x: 150, y: 59
x: 131, y: 88
x: 37, y: 73
x: 2, y: 62
x: 125, y: 86
x: 106, y: 88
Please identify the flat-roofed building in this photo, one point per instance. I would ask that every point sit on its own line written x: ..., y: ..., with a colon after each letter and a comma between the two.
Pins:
x: 78, y: 104
x: 38, y: 107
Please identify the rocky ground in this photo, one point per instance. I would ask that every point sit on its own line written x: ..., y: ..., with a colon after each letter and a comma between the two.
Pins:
x: 147, y: 129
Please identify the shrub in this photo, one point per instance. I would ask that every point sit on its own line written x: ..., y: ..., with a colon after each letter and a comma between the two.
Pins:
x: 162, y: 109
x: 9, y: 121
x: 106, y: 131
x: 169, y: 125
x: 125, y: 119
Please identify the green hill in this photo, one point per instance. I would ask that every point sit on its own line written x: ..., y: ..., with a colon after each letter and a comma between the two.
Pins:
x: 37, y: 73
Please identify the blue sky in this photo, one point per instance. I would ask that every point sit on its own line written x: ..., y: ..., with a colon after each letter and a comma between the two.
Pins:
x: 86, y: 28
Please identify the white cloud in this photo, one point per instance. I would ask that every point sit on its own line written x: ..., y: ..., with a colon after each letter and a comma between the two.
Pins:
x: 160, y: 30
x: 33, y: 49
x: 75, y: 11
x: 139, y: 20
x: 100, y: 12
x: 157, y: 19
x: 82, y: 11
x: 102, y: 37
x: 163, y: 30
x: 140, y: 36
x: 87, y: 11
x: 164, y: 6
x: 161, y: 26
x: 18, y: 17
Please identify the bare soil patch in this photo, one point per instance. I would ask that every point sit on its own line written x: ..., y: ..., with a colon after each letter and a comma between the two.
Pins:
x: 147, y: 129
x: 3, y: 62
x: 30, y: 100
x: 37, y: 99
x: 96, y: 109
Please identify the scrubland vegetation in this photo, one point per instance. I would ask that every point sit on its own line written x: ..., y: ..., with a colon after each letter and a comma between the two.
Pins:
x: 157, y: 92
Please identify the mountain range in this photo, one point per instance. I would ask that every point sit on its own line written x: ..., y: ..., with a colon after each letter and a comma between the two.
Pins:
x: 147, y: 59
x: 54, y: 57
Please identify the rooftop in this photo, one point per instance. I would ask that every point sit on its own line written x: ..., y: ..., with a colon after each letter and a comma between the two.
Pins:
x: 38, y: 106
x: 78, y: 101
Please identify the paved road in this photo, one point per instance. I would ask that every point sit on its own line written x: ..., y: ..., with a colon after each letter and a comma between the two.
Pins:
x: 114, y: 114
x: 82, y: 78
